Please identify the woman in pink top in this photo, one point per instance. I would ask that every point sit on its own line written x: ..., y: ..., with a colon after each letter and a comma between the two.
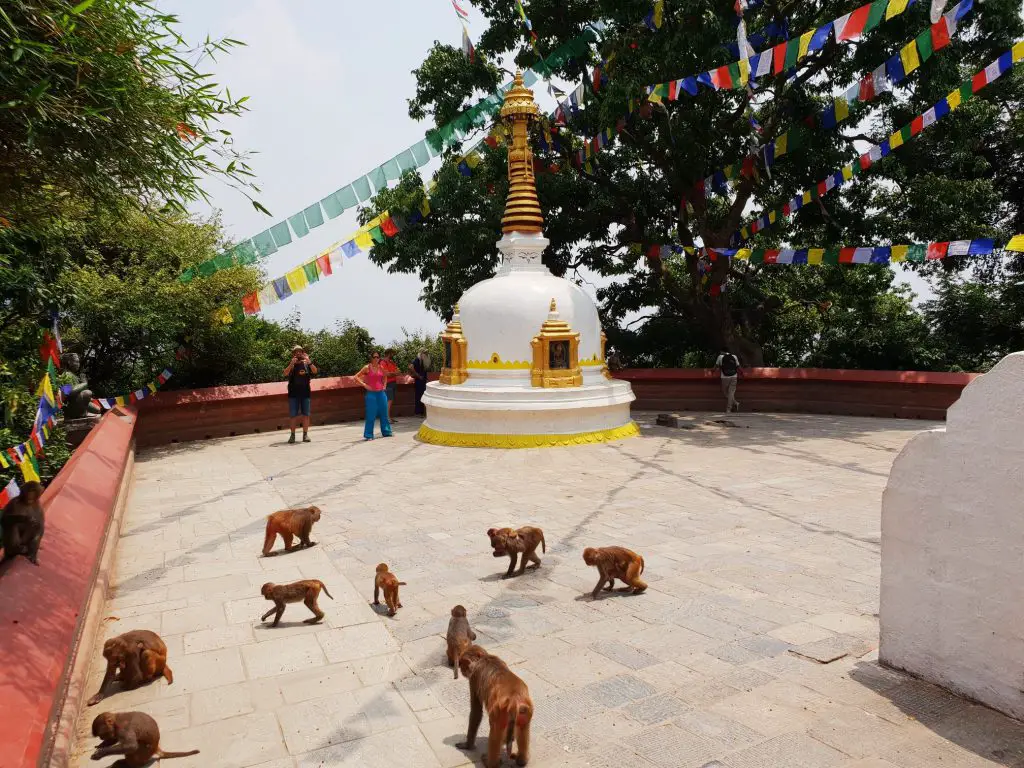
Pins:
x: 372, y: 377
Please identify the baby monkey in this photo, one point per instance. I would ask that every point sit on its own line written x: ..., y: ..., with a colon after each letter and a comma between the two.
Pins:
x: 297, y: 592
x: 132, y: 734
x: 460, y: 637
x: 387, y: 581
x: 616, y: 563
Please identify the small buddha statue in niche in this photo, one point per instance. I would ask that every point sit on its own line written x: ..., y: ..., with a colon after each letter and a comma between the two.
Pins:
x: 78, y: 403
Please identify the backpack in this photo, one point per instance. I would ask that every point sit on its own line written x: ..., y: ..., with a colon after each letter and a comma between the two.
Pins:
x: 730, y: 365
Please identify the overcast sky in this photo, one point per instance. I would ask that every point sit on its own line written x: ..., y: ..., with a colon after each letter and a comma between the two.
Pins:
x: 328, y: 82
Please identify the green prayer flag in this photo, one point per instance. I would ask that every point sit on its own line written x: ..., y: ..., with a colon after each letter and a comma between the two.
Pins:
x: 734, y: 75
x: 876, y: 14
x: 391, y: 170
x: 966, y: 91
x: 298, y: 222
x: 406, y: 161
x: 924, y: 45
x: 51, y: 368
x: 362, y: 188
x: 831, y: 256
x: 237, y: 312
x: 792, y: 52
x: 314, y: 216
x: 346, y: 198
x: 244, y: 253
x: 757, y: 256
x: 332, y: 206
x: 378, y: 178
x: 264, y: 243
x: 312, y: 273
x: 187, y: 275
x: 223, y: 261
x: 917, y: 252
x: 435, y: 141
x: 377, y: 235
x: 281, y: 234
x: 208, y: 268
x: 905, y: 133
x: 420, y: 153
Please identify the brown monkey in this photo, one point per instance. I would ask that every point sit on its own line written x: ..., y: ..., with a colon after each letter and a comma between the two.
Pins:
x: 387, y: 581
x: 297, y: 592
x: 132, y: 734
x: 133, y: 658
x: 510, y: 542
x: 460, y: 637
x: 290, y: 523
x: 494, y: 687
x: 616, y: 563
x: 23, y: 524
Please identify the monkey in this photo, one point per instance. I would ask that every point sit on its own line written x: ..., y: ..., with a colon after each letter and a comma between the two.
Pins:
x: 616, y: 563
x: 132, y: 734
x: 492, y: 685
x: 387, y: 581
x: 300, y: 591
x: 290, y: 523
x: 23, y: 524
x: 133, y: 658
x: 460, y: 637
x: 510, y: 542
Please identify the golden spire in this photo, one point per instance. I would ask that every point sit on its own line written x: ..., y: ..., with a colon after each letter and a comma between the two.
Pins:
x: 522, y: 210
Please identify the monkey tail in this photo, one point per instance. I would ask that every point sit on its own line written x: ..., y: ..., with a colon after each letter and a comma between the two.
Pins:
x: 641, y: 563
x: 161, y: 754
x: 168, y: 675
x: 401, y: 584
x: 324, y: 588
x: 543, y: 544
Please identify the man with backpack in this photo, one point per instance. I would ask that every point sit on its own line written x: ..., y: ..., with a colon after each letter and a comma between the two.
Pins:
x: 728, y: 366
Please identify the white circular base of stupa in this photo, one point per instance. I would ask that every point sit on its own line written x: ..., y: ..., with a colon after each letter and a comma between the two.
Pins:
x: 499, y: 409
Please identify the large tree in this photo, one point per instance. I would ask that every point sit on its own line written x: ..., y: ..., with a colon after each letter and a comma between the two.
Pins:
x: 960, y: 179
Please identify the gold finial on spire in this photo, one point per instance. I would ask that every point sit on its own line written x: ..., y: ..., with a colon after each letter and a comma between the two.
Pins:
x: 553, y: 307
x: 522, y: 210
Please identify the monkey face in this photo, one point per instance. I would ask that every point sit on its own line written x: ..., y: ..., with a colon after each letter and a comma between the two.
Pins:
x: 315, y: 514
x: 499, y: 541
x: 103, y: 726
x: 588, y: 555
x: 458, y: 612
x: 266, y: 590
x: 114, y: 652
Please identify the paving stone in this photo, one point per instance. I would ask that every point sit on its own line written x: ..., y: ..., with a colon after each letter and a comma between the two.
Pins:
x: 729, y: 733
x: 793, y: 750
x: 669, y: 746
x: 278, y: 657
x: 617, y: 690
x: 655, y: 709
x: 625, y: 654
x: 356, y: 642
x: 832, y: 648
x: 553, y: 711
x: 403, y: 747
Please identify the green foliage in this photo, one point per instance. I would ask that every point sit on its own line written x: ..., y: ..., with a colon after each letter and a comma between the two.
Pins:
x: 959, y: 179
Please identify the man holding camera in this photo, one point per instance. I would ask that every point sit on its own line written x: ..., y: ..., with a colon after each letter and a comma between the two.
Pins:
x: 299, y: 372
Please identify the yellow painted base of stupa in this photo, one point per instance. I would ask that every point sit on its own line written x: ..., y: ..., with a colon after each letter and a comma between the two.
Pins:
x: 466, y: 440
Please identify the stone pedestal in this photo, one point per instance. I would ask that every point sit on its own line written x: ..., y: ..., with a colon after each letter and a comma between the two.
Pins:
x: 77, y: 429
x: 952, y: 588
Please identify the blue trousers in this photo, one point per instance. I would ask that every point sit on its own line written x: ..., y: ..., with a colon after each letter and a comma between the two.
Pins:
x: 376, y: 407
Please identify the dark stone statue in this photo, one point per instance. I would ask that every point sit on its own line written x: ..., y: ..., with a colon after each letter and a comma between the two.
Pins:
x: 78, y: 404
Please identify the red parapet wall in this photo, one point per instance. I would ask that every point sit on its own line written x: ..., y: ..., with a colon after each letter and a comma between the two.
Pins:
x: 894, y: 394
x: 42, y: 608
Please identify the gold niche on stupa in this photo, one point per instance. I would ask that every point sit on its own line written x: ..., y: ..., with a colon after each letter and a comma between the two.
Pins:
x: 453, y: 369
x: 556, y: 354
x: 522, y: 209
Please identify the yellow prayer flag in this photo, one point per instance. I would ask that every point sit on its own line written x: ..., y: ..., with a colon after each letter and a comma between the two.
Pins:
x: 297, y: 279
x: 771, y: 217
x: 805, y: 42
x: 842, y: 109
x: 780, y: 145
x: 151, y: 387
x: 743, y: 253
x: 896, y: 140
x: 1016, y: 243
x: 814, y: 255
x: 28, y: 472
x: 1017, y: 52
x: 425, y: 206
x: 896, y: 7
x: 363, y: 241
x: 807, y: 197
x: 45, y: 389
x: 953, y: 99
x: 744, y: 71
x: 223, y: 316
x: 908, y: 55
x: 847, y: 172
x: 472, y: 159
x: 899, y: 253
x: 119, y: 400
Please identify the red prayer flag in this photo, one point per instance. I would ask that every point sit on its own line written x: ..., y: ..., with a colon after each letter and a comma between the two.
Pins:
x: 755, y: 227
x: 916, y: 125
x: 846, y: 255
x: 132, y: 397
x: 491, y: 142
x: 388, y: 227
x: 323, y: 263
x: 979, y: 81
x: 937, y: 250
x: 251, y: 303
x: 771, y: 256
x: 822, y: 188
x: 867, y: 88
x: 673, y: 90
x: 940, y: 34
x: 779, y: 57
x: 721, y: 78
x: 855, y: 24
x: 786, y: 209
x: 865, y: 161
x: 597, y: 79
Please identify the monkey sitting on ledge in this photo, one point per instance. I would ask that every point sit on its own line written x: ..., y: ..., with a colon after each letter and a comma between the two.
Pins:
x: 23, y: 523
x: 290, y: 523
x: 132, y: 734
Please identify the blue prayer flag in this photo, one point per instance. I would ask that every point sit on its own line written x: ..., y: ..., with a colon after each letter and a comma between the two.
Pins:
x: 881, y: 255
x: 894, y: 68
x: 819, y: 38
x: 350, y: 248
x: 885, y: 148
x: 281, y: 288
x: 705, y: 78
x: 690, y: 85
x: 800, y: 257
x: 981, y: 247
x: 941, y: 108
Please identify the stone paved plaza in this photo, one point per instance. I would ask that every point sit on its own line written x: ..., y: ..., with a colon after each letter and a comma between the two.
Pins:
x: 761, y: 542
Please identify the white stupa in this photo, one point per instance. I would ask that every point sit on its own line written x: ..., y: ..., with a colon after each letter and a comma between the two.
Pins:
x: 524, y: 354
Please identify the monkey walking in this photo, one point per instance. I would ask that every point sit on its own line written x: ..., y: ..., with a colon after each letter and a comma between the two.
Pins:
x: 306, y: 591
x: 290, y: 523
x: 616, y: 563
x: 510, y: 542
x: 387, y: 581
x: 494, y: 687
x: 133, y: 658
x: 132, y: 734
x: 459, y: 638
x: 23, y: 524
